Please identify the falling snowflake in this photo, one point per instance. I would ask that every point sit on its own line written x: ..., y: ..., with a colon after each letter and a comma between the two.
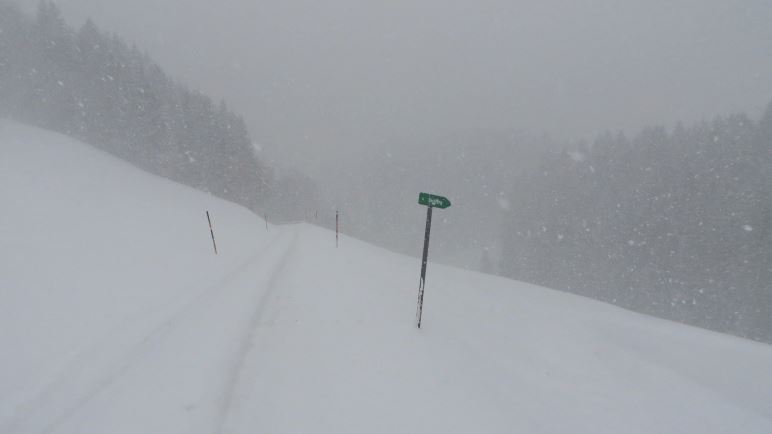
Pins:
x: 577, y: 157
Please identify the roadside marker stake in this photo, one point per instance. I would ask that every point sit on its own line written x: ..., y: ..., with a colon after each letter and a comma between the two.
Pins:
x: 211, y: 231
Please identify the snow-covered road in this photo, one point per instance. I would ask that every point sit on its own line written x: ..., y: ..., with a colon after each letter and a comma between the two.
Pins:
x: 117, y: 317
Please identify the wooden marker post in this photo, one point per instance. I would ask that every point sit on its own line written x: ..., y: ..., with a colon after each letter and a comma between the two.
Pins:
x: 211, y: 231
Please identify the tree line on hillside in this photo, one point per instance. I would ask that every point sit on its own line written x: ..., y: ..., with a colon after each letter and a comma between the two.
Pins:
x: 676, y: 224
x: 94, y: 87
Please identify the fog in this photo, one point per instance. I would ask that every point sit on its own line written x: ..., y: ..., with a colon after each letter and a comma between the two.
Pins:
x: 320, y: 82
x: 616, y: 150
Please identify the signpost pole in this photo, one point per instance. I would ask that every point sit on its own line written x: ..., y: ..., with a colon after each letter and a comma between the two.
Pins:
x: 431, y: 201
x: 422, y: 282
x: 337, y: 227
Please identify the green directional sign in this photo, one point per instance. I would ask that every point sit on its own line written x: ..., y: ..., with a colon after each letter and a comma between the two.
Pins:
x: 433, y: 200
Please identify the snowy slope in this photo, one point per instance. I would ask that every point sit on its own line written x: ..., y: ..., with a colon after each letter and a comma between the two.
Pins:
x: 116, y: 316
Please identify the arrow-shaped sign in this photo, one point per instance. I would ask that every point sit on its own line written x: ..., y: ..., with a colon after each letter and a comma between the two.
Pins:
x: 433, y: 200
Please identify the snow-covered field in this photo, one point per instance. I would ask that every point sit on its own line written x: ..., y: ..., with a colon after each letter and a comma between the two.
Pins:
x: 117, y: 317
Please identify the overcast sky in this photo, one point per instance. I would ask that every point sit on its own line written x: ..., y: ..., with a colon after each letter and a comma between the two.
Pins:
x: 338, y: 76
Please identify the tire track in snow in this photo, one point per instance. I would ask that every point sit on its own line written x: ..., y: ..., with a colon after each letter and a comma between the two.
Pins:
x: 69, y: 390
x: 245, y: 347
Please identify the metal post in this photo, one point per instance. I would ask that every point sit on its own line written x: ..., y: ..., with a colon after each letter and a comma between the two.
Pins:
x: 211, y: 231
x: 337, y: 227
x: 422, y: 282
